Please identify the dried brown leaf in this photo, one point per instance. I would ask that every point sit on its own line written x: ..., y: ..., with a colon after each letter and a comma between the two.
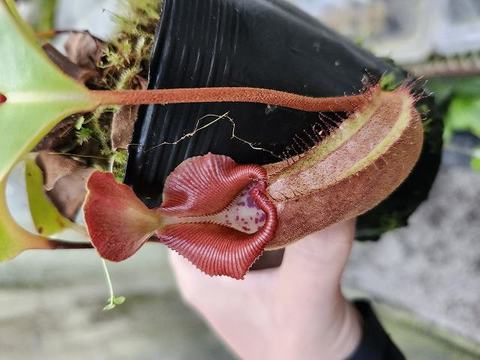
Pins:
x: 123, y: 124
x: 71, y: 69
x: 61, y: 135
x: 55, y: 167
x: 84, y: 49
x: 69, y: 192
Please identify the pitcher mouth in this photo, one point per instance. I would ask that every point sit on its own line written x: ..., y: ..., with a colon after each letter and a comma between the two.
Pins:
x: 215, y: 213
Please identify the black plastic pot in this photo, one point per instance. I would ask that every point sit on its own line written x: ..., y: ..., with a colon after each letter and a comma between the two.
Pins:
x: 256, y: 43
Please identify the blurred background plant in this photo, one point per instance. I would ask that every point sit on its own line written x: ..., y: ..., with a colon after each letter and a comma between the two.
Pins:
x: 40, y: 14
x: 437, y: 40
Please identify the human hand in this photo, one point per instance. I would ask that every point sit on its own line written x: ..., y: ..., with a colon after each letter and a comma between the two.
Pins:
x: 296, y: 311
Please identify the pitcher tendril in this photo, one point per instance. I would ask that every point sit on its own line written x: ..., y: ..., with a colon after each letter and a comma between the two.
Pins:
x: 230, y: 94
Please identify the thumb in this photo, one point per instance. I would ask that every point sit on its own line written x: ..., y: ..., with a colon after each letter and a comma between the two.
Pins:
x: 320, y: 257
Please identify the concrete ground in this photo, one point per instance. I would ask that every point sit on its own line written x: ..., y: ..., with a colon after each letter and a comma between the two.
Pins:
x: 51, y: 308
x: 432, y: 266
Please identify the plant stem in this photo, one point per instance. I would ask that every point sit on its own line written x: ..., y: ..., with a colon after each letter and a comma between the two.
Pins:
x: 66, y: 245
x: 231, y: 94
x: 52, y: 33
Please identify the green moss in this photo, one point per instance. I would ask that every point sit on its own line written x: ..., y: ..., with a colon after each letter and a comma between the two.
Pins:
x: 119, y: 164
x: 127, y: 54
x: 123, y: 65
x: 389, y: 82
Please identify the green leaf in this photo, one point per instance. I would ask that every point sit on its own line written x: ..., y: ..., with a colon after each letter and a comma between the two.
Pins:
x: 45, y: 215
x: 476, y: 159
x: 113, y: 302
x: 38, y: 96
x: 463, y: 115
x: 109, y: 307
x: 119, y: 300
